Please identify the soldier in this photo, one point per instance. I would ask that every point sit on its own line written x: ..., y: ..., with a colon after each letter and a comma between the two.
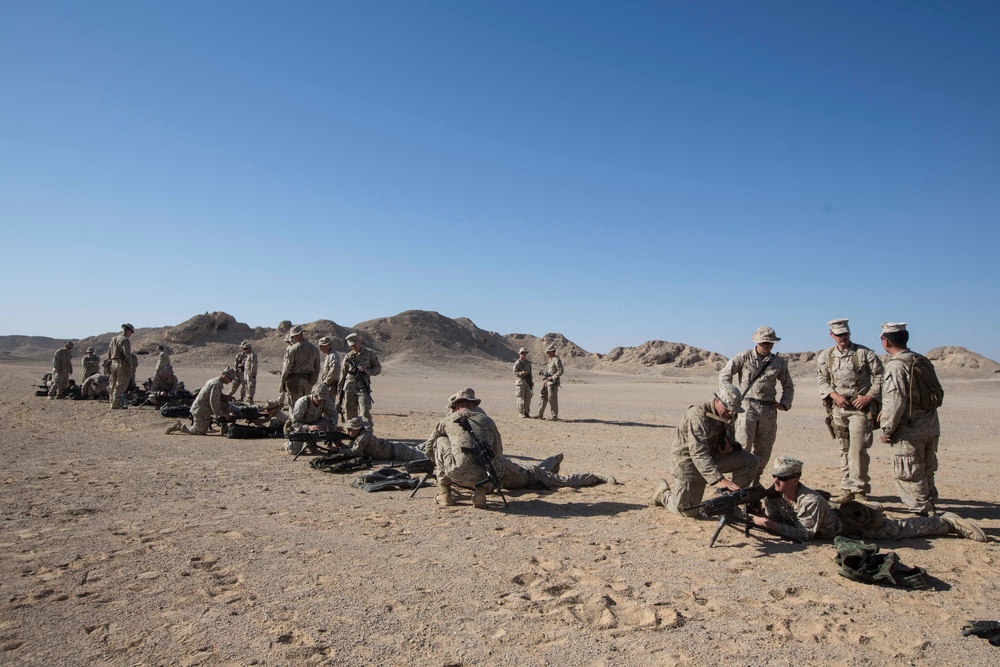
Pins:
x: 238, y: 366
x: 757, y: 373
x: 250, y: 361
x: 365, y: 443
x: 95, y: 387
x: 276, y: 418
x: 91, y: 363
x: 165, y: 383
x: 120, y: 354
x: 315, y: 411
x: 162, y: 358
x: 551, y: 383
x: 62, y: 368
x: 442, y: 450
x: 300, y: 370
x: 703, y: 450
x: 360, y: 365
x: 207, y: 405
x: 801, y: 514
x: 523, y: 383
x: 329, y: 373
x: 132, y: 371
x: 850, y: 382
x: 282, y: 387
x: 909, y: 421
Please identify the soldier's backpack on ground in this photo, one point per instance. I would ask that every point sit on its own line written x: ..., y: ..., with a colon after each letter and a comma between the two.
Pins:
x: 175, y: 411
x: 341, y: 462
x: 385, y: 479
x: 245, y: 432
x: 863, y: 562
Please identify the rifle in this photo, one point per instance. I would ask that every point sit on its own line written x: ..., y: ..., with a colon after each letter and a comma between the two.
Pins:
x: 483, y: 456
x: 423, y: 467
x: 311, y: 440
x: 360, y: 376
x: 727, y: 507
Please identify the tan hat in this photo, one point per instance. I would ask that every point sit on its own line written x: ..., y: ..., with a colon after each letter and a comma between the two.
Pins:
x: 730, y: 397
x: 325, y: 340
x: 765, y: 335
x: 272, y: 405
x: 551, y: 348
x: 230, y: 372
x: 90, y: 349
x: 320, y: 390
x: 295, y: 331
x: 129, y: 327
x: 786, y: 466
x: 69, y: 344
x: 355, y: 422
x: 839, y: 326
x: 523, y: 350
x: 288, y: 338
x: 464, y: 395
x: 893, y: 327
x: 352, y: 337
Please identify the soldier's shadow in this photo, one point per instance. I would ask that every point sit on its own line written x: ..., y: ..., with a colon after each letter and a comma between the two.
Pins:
x: 614, y: 422
x: 540, y: 507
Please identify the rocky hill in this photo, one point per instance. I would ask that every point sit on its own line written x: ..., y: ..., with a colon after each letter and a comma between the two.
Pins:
x: 432, y: 339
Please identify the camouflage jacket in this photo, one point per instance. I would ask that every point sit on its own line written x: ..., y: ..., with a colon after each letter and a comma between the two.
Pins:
x: 700, y: 437
x: 841, y: 377
x: 898, y: 423
x: 747, y: 364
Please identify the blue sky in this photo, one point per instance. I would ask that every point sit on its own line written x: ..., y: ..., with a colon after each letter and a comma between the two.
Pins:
x: 617, y: 172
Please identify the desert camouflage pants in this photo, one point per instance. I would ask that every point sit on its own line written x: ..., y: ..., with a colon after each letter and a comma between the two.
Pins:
x: 756, y: 429
x: 296, y: 387
x: 120, y: 374
x: 248, y: 387
x: 542, y: 476
x: 199, y: 427
x: 357, y: 400
x: 523, y: 393
x: 387, y: 450
x: 58, y: 385
x: 549, y: 396
x: 688, y: 486
x: 854, y: 434
x: 914, y: 463
x: 898, y: 529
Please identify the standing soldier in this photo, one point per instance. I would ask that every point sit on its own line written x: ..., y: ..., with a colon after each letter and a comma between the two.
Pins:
x: 757, y: 373
x: 120, y: 354
x: 162, y: 359
x: 850, y: 382
x: 329, y: 373
x: 360, y: 365
x: 62, y: 368
x: 249, y: 386
x: 238, y: 366
x: 523, y: 384
x: 911, y: 395
x: 551, y: 383
x: 300, y: 370
x: 91, y: 363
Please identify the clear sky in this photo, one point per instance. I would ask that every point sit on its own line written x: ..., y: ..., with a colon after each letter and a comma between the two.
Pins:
x: 615, y: 171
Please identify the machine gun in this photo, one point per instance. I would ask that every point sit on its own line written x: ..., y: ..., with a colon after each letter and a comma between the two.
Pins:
x: 730, y: 508
x: 423, y: 467
x: 318, y: 442
x: 484, y: 457
x: 248, y: 412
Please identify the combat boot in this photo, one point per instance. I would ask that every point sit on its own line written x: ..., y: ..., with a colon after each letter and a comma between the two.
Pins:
x: 606, y: 478
x: 964, y: 527
x: 444, y: 496
x: 176, y: 426
x: 479, y: 497
x: 662, y: 489
x: 845, y: 497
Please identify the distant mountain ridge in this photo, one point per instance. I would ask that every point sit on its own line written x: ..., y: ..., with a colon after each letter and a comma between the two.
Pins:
x: 432, y: 339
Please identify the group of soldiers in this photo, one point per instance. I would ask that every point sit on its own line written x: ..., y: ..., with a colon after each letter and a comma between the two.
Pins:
x: 734, y: 434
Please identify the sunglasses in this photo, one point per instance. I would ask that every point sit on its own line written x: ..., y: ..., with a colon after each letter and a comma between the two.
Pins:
x: 784, y: 478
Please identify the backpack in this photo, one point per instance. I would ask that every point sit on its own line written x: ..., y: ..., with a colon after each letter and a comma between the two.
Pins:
x: 340, y: 462
x: 925, y: 389
x: 175, y: 411
x: 863, y: 562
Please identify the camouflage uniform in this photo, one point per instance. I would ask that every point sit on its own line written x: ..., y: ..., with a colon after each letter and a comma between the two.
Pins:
x: 329, y: 373
x: 697, y: 461
x: 355, y: 397
x: 120, y: 353
x: 300, y: 370
x: 132, y: 371
x: 62, y: 368
x: 95, y: 387
x: 852, y: 427
x: 550, y: 388
x: 757, y: 427
x: 237, y: 382
x: 162, y: 359
x: 812, y: 517
x: 451, y: 471
x: 523, y: 386
x: 545, y: 475
x: 249, y: 386
x: 306, y: 413
x: 367, y: 444
x: 168, y: 384
x: 913, y: 435
x: 91, y: 365
x: 207, y: 404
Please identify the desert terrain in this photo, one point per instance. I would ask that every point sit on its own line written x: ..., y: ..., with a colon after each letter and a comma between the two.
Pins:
x: 125, y: 546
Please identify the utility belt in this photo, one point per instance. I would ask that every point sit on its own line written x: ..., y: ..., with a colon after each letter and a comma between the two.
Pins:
x: 757, y: 401
x: 298, y: 376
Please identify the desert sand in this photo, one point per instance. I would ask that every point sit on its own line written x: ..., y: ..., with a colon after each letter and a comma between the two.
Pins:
x: 125, y: 546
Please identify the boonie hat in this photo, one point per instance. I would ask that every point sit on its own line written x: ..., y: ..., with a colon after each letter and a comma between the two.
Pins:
x: 464, y: 395
x: 551, y: 348
x: 730, y: 397
x: 355, y: 422
x: 523, y: 350
x: 325, y: 340
x: 786, y: 466
x: 295, y: 331
x: 129, y: 327
x: 765, y: 335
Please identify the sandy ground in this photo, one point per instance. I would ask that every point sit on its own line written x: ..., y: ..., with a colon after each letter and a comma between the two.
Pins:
x: 124, y: 546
